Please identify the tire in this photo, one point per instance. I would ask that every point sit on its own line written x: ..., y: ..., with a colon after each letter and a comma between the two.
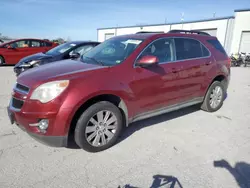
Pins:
x: 206, y: 106
x: 2, y: 62
x: 84, y: 122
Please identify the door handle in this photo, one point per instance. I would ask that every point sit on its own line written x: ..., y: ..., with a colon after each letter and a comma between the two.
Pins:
x: 208, y: 63
x: 175, y: 70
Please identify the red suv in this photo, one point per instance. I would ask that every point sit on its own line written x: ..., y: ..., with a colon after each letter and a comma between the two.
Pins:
x: 12, y: 52
x: 123, y: 80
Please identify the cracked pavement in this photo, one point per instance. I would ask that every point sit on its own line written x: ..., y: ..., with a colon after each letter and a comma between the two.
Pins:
x: 177, y: 149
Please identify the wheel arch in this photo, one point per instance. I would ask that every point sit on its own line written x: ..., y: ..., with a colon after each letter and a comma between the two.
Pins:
x: 221, y: 78
x: 3, y: 58
x: 114, y: 99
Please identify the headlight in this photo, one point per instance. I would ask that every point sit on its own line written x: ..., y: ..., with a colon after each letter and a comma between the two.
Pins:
x: 33, y: 62
x: 49, y: 91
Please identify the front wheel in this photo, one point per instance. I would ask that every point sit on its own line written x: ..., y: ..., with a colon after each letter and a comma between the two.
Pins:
x: 214, y: 98
x: 2, y: 62
x: 99, y: 127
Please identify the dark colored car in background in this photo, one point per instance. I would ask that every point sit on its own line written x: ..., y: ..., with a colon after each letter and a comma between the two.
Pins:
x: 12, y: 52
x: 69, y: 50
x: 122, y: 80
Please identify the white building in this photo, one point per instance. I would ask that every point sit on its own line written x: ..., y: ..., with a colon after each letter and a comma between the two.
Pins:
x: 233, y: 32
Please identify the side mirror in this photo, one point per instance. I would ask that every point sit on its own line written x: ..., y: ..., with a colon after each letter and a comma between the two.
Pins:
x: 74, y: 55
x: 147, y: 60
x: 10, y: 47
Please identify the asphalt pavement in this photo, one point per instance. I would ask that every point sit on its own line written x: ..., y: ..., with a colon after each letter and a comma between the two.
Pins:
x: 188, y: 148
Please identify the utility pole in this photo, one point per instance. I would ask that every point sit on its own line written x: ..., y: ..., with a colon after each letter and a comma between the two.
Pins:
x: 214, y: 14
x: 182, y: 19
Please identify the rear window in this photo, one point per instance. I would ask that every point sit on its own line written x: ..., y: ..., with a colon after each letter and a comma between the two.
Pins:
x: 48, y: 44
x: 217, y: 45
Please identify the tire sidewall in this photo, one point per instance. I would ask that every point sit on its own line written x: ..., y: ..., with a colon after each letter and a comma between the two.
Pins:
x: 211, y: 88
x: 81, y: 125
x: 1, y: 60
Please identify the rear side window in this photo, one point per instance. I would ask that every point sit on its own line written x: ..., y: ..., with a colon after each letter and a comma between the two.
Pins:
x: 205, y: 51
x: 48, y: 44
x: 217, y: 45
x: 187, y: 48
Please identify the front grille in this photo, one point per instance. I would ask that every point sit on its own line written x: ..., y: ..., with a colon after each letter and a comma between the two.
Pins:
x: 17, y: 103
x: 22, y: 88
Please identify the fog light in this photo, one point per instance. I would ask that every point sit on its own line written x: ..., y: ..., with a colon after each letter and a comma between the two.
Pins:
x: 43, y: 124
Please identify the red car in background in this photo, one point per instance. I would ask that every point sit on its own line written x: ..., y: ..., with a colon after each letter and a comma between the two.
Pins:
x: 12, y: 52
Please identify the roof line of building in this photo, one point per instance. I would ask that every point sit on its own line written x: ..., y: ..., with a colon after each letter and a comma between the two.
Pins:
x: 242, y: 10
x: 192, y: 21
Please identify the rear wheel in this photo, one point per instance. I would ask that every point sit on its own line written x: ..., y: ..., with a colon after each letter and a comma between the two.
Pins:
x: 214, y: 98
x: 99, y: 127
x: 2, y: 62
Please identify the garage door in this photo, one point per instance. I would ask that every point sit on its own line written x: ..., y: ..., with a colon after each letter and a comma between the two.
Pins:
x: 212, y: 32
x: 245, y: 42
x: 109, y: 35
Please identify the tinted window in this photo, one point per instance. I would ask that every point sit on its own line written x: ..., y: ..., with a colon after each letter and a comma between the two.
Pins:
x: 48, y: 44
x: 35, y: 43
x: 217, y: 45
x: 205, y: 51
x: 163, y: 49
x: 187, y: 48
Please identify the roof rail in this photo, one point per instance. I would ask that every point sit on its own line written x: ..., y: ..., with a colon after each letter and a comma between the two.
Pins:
x: 149, y: 32
x: 189, y: 31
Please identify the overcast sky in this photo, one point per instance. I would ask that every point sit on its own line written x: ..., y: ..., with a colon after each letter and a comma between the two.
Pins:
x: 79, y: 19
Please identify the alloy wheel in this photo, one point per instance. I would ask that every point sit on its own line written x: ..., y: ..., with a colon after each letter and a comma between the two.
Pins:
x: 216, y: 97
x: 101, y: 128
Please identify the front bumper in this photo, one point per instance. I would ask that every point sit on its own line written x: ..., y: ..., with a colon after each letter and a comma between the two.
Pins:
x: 50, y: 140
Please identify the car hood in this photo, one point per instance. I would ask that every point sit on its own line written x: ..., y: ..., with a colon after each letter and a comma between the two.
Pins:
x: 38, y: 56
x: 65, y: 69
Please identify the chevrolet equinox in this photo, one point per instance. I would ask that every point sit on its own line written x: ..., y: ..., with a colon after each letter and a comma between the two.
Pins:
x: 124, y: 79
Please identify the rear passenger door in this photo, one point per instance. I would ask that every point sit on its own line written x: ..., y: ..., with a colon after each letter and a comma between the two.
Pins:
x: 192, y: 57
x: 37, y: 46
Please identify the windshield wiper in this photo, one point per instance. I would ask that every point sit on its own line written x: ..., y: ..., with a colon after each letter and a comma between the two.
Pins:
x: 93, y: 59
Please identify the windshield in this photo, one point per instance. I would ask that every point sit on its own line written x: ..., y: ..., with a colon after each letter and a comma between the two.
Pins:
x: 111, y: 52
x: 61, y: 49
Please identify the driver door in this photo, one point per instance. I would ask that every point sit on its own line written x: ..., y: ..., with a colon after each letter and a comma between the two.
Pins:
x: 19, y: 50
x: 154, y: 87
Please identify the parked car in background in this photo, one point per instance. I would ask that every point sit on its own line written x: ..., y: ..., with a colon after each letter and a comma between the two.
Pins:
x: 12, y: 52
x: 122, y: 80
x: 69, y: 50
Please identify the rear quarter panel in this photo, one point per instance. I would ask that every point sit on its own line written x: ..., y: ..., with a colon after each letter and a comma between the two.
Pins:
x: 220, y: 64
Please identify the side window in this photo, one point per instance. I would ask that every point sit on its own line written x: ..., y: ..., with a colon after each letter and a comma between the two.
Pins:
x: 82, y: 49
x: 205, y: 51
x: 48, y: 44
x: 163, y: 49
x: 217, y: 45
x: 20, y: 44
x: 35, y: 43
x: 187, y: 48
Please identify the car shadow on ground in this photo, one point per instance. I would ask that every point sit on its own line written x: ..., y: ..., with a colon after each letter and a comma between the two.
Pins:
x: 241, y: 172
x: 160, y: 181
x: 6, y: 66
x: 136, y: 126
